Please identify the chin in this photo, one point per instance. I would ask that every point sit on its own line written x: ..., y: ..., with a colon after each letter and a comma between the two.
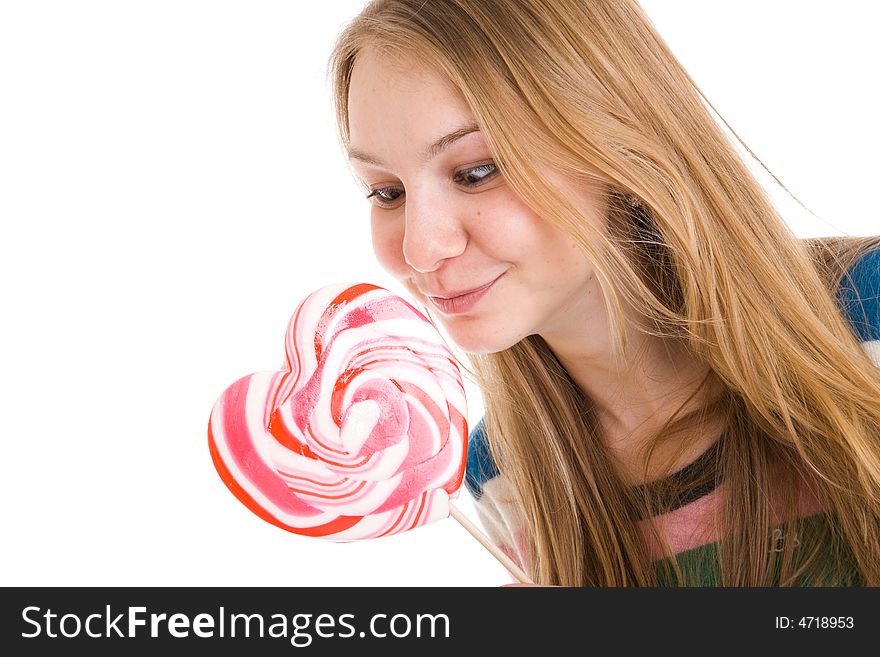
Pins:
x: 479, y: 342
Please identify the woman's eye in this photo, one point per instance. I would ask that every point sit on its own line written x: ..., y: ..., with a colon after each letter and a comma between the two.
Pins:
x: 472, y: 177
x: 381, y: 199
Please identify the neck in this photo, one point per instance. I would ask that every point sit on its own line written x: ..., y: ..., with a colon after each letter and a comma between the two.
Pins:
x: 659, y: 380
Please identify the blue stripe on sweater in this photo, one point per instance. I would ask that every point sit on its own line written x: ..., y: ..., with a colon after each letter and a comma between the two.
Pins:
x: 859, y: 298
x: 480, y: 466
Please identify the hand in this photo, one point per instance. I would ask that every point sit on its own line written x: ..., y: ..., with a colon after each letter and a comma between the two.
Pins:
x: 520, y: 584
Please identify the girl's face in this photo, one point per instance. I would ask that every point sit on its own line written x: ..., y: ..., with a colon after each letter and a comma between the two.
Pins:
x: 445, y: 223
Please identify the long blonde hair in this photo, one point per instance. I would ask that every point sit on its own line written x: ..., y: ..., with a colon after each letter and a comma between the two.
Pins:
x: 590, y: 90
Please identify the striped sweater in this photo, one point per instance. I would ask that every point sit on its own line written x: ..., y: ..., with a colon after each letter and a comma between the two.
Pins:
x: 690, y: 526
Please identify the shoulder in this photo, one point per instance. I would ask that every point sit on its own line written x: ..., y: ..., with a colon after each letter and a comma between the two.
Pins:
x: 859, y: 296
x: 480, y: 465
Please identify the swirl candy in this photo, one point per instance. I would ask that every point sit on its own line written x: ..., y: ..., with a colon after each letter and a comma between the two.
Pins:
x: 363, y: 431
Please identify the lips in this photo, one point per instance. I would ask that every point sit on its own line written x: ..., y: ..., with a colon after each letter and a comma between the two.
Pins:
x: 453, y: 295
x: 461, y: 302
x: 460, y: 293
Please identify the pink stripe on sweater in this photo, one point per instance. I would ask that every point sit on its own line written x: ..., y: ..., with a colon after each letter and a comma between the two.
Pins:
x: 697, y: 524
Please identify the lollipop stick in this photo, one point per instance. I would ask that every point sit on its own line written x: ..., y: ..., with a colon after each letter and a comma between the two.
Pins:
x: 506, y: 561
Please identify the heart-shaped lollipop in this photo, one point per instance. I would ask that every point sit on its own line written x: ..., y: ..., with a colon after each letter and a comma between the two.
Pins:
x: 363, y: 433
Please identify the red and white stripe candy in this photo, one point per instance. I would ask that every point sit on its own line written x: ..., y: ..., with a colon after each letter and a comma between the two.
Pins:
x: 363, y: 433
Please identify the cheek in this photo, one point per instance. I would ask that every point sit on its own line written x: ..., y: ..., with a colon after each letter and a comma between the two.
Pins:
x: 506, y: 229
x: 388, y: 245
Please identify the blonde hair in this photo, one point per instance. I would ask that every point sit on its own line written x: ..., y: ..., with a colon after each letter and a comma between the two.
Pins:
x: 590, y: 90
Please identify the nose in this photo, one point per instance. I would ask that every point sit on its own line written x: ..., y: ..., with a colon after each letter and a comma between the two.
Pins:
x: 432, y: 233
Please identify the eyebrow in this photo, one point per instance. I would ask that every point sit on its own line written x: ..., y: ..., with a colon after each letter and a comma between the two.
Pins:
x: 430, y: 152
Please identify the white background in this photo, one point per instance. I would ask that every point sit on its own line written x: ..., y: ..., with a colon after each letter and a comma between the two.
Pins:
x: 171, y: 186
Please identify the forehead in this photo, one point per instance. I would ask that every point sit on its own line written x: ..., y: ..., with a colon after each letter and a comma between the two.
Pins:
x: 396, y: 71
x: 411, y: 98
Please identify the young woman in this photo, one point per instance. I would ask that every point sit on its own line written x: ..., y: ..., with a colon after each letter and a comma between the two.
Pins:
x: 678, y: 390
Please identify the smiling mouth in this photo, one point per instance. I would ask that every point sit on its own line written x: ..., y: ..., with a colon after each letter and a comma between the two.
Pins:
x: 461, y: 303
x: 465, y: 293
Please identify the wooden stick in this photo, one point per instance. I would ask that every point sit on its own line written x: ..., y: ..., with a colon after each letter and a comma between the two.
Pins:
x: 506, y: 561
